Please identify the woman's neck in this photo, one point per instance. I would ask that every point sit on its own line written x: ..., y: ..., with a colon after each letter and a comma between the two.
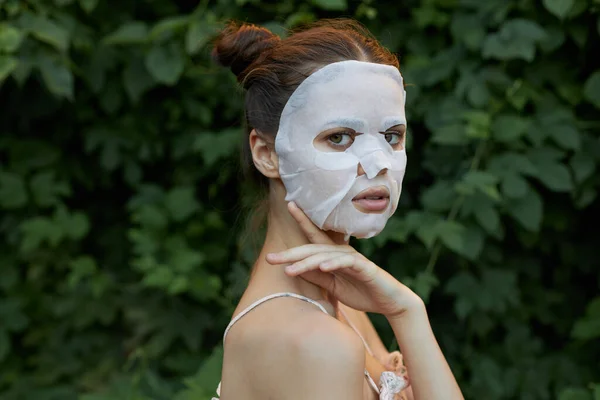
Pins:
x: 284, y: 233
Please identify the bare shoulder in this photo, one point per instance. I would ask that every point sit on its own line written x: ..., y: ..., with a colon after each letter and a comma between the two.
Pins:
x: 325, y: 360
x: 291, y: 351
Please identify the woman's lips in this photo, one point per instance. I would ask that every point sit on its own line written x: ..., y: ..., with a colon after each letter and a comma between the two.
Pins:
x: 374, y: 199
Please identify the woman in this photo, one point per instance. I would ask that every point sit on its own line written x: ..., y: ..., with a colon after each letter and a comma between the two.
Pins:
x: 326, y: 125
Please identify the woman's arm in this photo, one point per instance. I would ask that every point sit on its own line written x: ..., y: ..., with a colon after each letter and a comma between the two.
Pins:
x: 430, y: 374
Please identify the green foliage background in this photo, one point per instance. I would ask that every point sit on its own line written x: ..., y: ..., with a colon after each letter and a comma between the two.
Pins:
x: 121, y: 214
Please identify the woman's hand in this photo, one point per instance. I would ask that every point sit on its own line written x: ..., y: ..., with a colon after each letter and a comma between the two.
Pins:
x: 344, y: 273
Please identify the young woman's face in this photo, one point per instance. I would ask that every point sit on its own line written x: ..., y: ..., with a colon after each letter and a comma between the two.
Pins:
x: 345, y: 119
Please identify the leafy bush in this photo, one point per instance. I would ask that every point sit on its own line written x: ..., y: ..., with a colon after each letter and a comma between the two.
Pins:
x: 119, y: 197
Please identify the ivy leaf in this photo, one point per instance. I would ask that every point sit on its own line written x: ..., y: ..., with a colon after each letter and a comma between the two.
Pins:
x: 514, y: 185
x: 516, y: 39
x: 583, y: 166
x: 575, y: 394
x: 454, y: 134
x: 57, y: 77
x: 45, y: 30
x: 181, y: 202
x: 10, y: 38
x: 199, y: 34
x: 13, y: 192
x: 488, y: 217
x: 136, y: 79
x: 88, y: 5
x: 556, y: 177
x: 588, y: 327
x: 528, y: 210
x: 439, y: 196
x: 165, y: 63
x: 591, y: 88
x: 465, y: 288
x: 333, y: 5
x: 508, y: 128
x: 559, y: 8
x: 423, y: 284
x: 565, y: 135
x: 472, y: 242
x: 133, y: 32
x: 46, y: 190
x: 213, y: 146
x: 7, y: 65
x: 5, y: 344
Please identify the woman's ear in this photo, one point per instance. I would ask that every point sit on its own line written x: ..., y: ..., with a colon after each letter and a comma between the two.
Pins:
x: 263, y: 155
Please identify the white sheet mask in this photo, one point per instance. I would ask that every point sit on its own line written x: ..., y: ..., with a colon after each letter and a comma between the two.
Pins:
x: 366, y: 97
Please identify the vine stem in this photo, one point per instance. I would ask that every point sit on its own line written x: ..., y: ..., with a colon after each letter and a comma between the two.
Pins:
x: 455, y: 208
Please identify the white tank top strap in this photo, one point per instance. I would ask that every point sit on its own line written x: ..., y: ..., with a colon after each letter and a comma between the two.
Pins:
x: 267, y: 298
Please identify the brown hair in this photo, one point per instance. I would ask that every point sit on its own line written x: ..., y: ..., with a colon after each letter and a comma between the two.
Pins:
x: 270, y: 69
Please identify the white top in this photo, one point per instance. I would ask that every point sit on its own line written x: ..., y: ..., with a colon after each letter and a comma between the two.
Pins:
x: 390, y: 383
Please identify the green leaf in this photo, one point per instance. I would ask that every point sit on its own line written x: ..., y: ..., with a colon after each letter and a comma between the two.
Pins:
x: 181, y: 202
x: 465, y: 288
x: 507, y: 128
x: 439, y: 196
x: 514, y: 185
x: 133, y: 32
x: 198, y: 34
x: 165, y: 63
x: 7, y: 65
x: 45, y: 30
x: 528, y: 210
x: 168, y: 26
x: 487, y: 216
x: 5, y: 344
x: 46, y: 190
x: 334, y: 5
x: 38, y: 230
x: 516, y: 39
x: 575, y: 394
x: 452, y: 234
x: 13, y: 193
x: 566, y: 136
x: 455, y: 134
x: 559, y: 8
x: 57, y: 77
x: 556, y: 177
x: 473, y: 240
x: 583, y: 166
x: 483, y: 181
x: 209, y: 374
x: 88, y: 5
x: 136, y: 79
x: 423, y: 283
x: 588, y: 327
x: 591, y: 89
x: 213, y: 146
x: 10, y: 38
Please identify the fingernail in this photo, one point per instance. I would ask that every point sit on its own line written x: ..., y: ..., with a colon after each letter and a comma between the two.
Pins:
x: 293, y: 204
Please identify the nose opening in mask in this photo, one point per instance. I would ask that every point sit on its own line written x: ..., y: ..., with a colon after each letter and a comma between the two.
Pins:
x: 374, y: 164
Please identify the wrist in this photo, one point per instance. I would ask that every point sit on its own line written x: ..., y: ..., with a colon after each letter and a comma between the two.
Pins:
x: 413, y: 306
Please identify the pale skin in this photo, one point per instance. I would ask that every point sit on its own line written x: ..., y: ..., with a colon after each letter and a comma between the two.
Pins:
x: 289, y: 349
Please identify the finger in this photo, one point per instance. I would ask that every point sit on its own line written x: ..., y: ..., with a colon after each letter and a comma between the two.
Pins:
x: 301, y: 252
x: 321, y: 279
x: 351, y: 265
x: 312, y: 232
x: 310, y: 263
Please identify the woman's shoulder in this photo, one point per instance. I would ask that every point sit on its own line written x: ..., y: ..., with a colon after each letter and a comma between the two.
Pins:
x: 282, y: 348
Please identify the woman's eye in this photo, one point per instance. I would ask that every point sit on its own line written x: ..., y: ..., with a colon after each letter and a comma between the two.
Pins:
x: 393, y: 138
x: 340, y: 139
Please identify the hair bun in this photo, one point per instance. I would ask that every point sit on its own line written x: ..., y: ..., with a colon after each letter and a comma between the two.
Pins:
x: 239, y: 45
